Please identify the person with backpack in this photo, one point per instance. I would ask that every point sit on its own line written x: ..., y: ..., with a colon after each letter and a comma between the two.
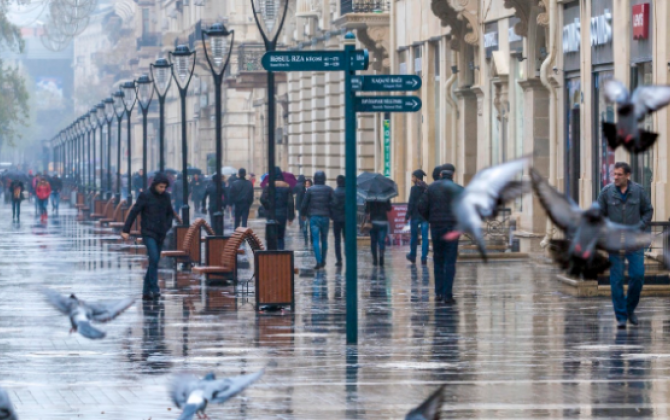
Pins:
x: 16, y: 189
x: 415, y: 220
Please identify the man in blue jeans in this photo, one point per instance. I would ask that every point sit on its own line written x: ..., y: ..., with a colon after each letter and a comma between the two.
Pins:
x: 435, y: 206
x: 56, y: 187
x: 625, y: 202
x: 416, y: 221
x: 155, y: 206
x: 317, y: 205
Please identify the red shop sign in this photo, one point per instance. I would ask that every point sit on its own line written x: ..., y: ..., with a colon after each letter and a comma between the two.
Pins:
x: 641, y: 21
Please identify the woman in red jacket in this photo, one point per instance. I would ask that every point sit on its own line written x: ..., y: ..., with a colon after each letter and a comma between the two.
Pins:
x: 43, y: 191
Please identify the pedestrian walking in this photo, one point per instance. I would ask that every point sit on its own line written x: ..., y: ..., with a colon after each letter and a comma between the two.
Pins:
x: 299, y: 194
x: 241, y: 194
x: 178, y: 193
x: 284, y: 205
x: 137, y: 182
x: 625, y: 202
x: 42, y: 192
x: 338, y: 215
x: 16, y: 189
x: 416, y: 222
x: 155, y: 207
x: 210, y: 192
x: 377, y: 213
x: 317, y: 204
x: 435, y: 207
x: 197, y: 191
x: 56, y: 188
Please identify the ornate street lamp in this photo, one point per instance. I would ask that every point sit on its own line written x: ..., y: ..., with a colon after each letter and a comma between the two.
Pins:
x: 119, y: 110
x: 145, y: 92
x: 270, y: 16
x: 183, y: 61
x: 93, y: 125
x: 100, y: 115
x: 109, y: 117
x: 80, y: 152
x: 218, y: 57
x: 129, y: 99
x: 161, y: 73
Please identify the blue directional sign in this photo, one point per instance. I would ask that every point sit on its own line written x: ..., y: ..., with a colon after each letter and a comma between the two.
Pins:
x: 386, y: 83
x: 387, y: 103
x: 314, y: 60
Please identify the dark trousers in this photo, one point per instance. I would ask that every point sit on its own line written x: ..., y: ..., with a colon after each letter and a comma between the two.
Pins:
x: 151, y: 278
x: 241, y: 216
x: 378, y: 238
x: 281, y: 232
x: 625, y: 305
x: 16, y: 209
x: 444, y: 257
x: 338, y: 231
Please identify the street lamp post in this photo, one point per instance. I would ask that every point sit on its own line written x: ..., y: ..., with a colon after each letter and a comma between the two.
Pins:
x: 109, y: 117
x: 119, y: 110
x: 161, y: 73
x: 183, y: 61
x: 129, y: 98
x: 100, y: 114
x: 269, y: 16
x: 80, y: 153
x: 91, y: 140
x: 145, y: 92
x: 219, y: 50
x: 93, y: 123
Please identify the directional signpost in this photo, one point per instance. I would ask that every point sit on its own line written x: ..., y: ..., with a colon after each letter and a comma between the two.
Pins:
x: 349, y: 61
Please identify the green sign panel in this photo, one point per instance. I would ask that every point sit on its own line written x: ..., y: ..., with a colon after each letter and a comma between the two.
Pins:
x: 387, y: 103
x: 387, y: 147
x: 314, y: 60
x: 386, y: 83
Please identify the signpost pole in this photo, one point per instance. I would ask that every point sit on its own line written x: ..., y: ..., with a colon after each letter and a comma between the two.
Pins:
x: 350, y: 184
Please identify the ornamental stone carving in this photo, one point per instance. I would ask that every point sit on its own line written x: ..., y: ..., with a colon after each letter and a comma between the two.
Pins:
x: 522, y: 11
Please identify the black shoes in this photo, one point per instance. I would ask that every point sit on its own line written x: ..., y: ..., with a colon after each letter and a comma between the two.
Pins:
x: 632, y: 318
x: 338, y: 263
x: 449, y: 301
x: 319, y: 266
x: 438, y: 298
x: 424, y: 261
x: 621, y: 325
x: 411, y: 259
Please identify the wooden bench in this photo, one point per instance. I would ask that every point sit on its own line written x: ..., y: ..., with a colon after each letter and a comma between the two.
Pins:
x: 228, y: 261
x: 188, y: 241
x: 81, y: 200
x: 102, y: 208
x: 116, y: 215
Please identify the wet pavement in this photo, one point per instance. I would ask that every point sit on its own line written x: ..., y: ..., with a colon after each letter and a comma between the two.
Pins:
x: 514, y: 346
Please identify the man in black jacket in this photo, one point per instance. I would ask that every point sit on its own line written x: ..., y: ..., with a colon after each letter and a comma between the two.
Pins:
x: 155, y: 207
x: 56, y: 188
x: 337, y: 214
x: 284, y: 208
x: 317, y: 204
x: 299, y: 193
x: 197, y: 189
x: 416, y: 221
x: 137, y: 182
x: 435, y: 207
x: 242, y: 196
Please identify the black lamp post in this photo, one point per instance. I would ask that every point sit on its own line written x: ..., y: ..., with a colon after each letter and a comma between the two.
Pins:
x: 109, y: 117
x: 73, y: 141
x: 161, y: 73
x: 183, y: 61
x: 119, y: 110
x: 80, y: 152
x: 270, y: 16
x: 129, y: 98
x: 145, y: 92
x: 91, y: 124
x: 219, y: 50
x: 100, y: 115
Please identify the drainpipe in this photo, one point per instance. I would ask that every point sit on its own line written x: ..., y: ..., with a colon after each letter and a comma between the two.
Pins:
x: 451, y: 99
x: 553, y: 123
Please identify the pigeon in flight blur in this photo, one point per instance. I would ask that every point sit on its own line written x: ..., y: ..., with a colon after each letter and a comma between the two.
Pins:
x: 83, y: 313
x: 6, y: 408
x: 489, y: 190
x: 429, y: 409
x: 632, y: 109
x: 586, y: 231
x: 192, y: 394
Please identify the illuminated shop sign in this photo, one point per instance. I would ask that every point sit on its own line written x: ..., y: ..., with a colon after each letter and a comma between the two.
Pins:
x: 601, y: 29
x: 571, y: 37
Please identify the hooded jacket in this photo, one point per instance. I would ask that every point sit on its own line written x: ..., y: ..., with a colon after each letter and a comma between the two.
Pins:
x: 284, y: 207
x: 156, y: 211
x: 43, y: 190
x: 340, y: 193
x: 319, y: 199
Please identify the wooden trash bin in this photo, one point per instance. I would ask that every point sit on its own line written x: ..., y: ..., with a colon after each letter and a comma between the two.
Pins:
x: 214, y: 246
x: 274, y: 279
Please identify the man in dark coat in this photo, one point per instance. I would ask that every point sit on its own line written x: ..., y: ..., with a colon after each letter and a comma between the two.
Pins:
x: 197, y: 191
x: 56, y: 188
x: 435, y: 207
x: 416, y: 221
x: 242, y: 196
x: 16, y: 189
x: 299, y: 193
x: 178, y: 193
x: 210, y: 191
x: 284, y: 209
x: 338, y: 215
x: 155, y: 207
x: 317, y: 204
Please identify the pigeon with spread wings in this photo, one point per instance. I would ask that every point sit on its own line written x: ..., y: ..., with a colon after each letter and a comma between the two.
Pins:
x: 631, y: 109
x: 430, y: 408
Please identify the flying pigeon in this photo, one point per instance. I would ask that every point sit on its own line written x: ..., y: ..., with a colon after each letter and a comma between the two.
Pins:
x: 192, y: 394
x: 586, y: 231
x: 485, y: 194
x: 632, y: 109
x: 430, y: 408
x: 82, y: 313
x: 6, y: 408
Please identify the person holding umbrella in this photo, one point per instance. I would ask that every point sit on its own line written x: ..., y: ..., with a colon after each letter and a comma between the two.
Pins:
x: 284, y: 207
x: 376, y: 190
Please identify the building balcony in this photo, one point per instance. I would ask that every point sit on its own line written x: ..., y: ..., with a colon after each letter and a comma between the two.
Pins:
x: 364, y: 6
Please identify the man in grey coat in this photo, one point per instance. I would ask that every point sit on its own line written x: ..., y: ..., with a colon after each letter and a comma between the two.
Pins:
x: 625, y: 202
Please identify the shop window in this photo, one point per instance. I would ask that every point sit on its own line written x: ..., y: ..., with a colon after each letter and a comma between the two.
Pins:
x: 439, y: 143
x: 603, y: 156
x: 573, y: 138
x: 642, y: 164
x: 417, y: 61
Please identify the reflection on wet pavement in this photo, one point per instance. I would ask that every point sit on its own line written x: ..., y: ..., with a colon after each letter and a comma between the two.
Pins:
x: 512, y: 347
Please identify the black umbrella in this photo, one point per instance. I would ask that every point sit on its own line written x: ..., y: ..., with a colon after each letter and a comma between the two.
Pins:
x: 192, y: 171
x: 375, y: 187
